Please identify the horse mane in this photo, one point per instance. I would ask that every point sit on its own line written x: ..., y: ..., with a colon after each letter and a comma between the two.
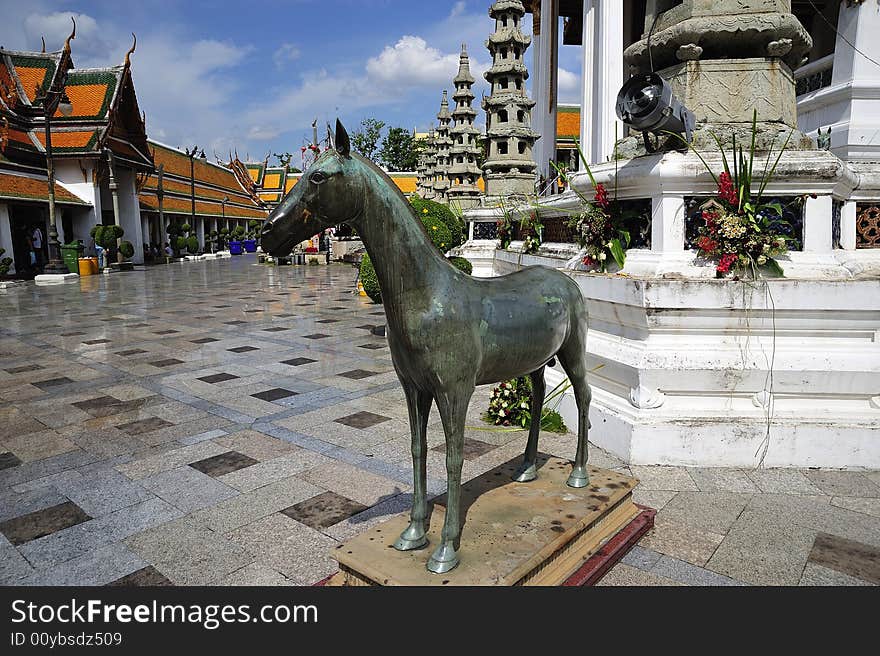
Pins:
x: 394, y: 188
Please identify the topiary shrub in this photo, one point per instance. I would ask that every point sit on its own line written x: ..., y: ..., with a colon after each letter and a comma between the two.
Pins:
x: 5, y: 263
x: 237, y: 233
x: 105, y: 236
x: 462, y: 264
x: 442, y: 213
x: 178, y: 245
x: 369, y: 280
x: 192, y: 244
x: 126, y: 248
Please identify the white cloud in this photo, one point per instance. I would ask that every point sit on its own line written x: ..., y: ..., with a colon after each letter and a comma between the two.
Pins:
x: 458, y: 9
x: 411, y: 61
x: 287, y: 52
x: 90, y: 41
x: 569, y: 89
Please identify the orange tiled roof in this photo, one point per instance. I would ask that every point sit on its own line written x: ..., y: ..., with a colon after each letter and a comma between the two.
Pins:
x: 406, y: 183
x: 20, y: 187
x: 74, y: 140
x: 203, y: 208
x: 177, y: 163
x: 568, y: 123
x: 173, y: 186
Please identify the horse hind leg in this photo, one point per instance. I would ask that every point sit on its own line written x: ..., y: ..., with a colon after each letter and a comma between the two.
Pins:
x: 573, y: 358
x: 528, y: 469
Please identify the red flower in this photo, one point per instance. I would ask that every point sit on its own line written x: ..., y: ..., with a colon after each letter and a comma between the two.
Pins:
x: 602, y: 196
x: 588, y: 261
x: 707, y: 244
x: 726, y: 190
x: 725, y: 263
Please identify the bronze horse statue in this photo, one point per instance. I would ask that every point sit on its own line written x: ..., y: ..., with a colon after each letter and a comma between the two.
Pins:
x: 448, y: 332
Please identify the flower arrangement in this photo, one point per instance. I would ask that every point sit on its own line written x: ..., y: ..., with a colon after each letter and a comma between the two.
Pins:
x: 600, y: 229
x: 530, y: 228
x: 510, y: 406
x: 740, y: 231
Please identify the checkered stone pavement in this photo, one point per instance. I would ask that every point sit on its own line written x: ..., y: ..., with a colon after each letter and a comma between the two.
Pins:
x: 227, y: 423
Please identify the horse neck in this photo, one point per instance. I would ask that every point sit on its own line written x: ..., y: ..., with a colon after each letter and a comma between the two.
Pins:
x: 402, y: 254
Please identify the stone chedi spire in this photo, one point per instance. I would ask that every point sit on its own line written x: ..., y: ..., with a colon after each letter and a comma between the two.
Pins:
x: 463, y: 171
x: 509, y: 167
x: 430, y: 160
x: 443, y: 144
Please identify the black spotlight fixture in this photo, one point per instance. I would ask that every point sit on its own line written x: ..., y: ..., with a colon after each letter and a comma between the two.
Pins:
x: 646, y: 103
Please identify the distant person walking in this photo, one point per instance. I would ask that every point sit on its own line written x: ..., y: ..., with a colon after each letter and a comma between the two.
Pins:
x: 36, y: 241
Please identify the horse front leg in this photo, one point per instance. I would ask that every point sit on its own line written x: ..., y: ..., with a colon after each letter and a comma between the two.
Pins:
x: 419, y: 407
x: 528, y: 469
x: 453, y: 410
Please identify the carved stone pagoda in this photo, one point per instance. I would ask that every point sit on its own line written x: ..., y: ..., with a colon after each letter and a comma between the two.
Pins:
x: 463, y: 170
x: 443, y: 144
x: 426, y: 189
x: 509, y: 167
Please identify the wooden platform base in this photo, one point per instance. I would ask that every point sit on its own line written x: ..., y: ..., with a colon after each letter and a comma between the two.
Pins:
x: 537, y: 533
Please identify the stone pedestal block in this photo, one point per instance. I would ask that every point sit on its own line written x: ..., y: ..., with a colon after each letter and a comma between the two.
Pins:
x: 731, y: 90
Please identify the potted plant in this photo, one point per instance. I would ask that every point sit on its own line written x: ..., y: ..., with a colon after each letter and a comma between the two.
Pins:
x: 250, y: 241
x: 223, y: 239
x: 5, y: 264
x: 126, y: 250
x: 235, y: 240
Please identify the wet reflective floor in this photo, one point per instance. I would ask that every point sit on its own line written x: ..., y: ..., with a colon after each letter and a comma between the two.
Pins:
x: 225, y: 422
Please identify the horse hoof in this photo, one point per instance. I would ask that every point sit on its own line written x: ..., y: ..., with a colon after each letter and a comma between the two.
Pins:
x: 410, y: 540
x: 443, y: 560
x: 525, y: 474
x: 578, y: 478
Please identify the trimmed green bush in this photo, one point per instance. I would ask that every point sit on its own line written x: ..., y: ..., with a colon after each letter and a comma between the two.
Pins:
x: 179, y: 244
x: 237, y: 233
x: 192, y: 245
x: 5, y: 263
x: 442, y: 213
x: 127, y: 249
x: 105, y: 236
x: 462, y: 264
x: 369, y: 280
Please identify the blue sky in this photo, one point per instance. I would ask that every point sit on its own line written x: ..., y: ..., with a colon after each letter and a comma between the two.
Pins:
x: 252, y: 75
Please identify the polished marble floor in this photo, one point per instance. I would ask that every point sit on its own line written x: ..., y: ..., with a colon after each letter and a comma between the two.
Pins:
x: 227, y: 423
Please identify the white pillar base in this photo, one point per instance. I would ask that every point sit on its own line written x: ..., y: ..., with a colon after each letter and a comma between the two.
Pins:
x: 55, y: 278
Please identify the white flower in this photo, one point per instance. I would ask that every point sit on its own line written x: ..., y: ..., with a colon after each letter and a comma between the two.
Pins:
x: 504, y: 405
x: 501, y: 413
x: 603, y: 256
x: 762, y: 259
x: 524, y: 404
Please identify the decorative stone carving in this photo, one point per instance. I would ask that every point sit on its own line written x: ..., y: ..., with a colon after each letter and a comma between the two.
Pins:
x: 762, y: 399
x: 646, y: 398
x: 509, y: 167
x: 463, y: 171
x: 689, y: 52
x: 779, y: 48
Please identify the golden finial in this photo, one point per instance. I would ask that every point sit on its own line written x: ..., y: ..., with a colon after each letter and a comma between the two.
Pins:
x: 43, y: 39
x: 72, y: 36
x: 129, y: 53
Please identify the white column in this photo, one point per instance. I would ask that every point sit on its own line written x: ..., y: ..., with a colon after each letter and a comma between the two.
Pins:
x: 200, y: 230
x: 817, y: 225
x: 588, y: 76
x: 544, y: 117
x: 608, y: 51
x: 859, y: 78
x: 848, y: 226
x: 667, y: 223
x: 6, y: 235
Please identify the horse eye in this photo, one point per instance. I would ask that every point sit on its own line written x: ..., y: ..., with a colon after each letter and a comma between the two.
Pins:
x: 317, y: 177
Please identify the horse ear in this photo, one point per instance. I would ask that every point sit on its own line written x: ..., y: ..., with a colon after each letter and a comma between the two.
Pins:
x: 343, y: 143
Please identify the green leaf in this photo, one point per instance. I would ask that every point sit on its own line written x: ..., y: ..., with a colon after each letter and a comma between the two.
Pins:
x: 624, y: 237
x: 776, y: 207
x: 618, y: 253
x: 773, y: 265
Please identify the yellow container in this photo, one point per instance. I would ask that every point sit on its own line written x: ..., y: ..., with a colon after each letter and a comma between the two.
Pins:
x: 94, y: 265
x: 85, y: 266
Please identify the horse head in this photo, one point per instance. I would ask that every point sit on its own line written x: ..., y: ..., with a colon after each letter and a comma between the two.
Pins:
x: 330, y: 193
